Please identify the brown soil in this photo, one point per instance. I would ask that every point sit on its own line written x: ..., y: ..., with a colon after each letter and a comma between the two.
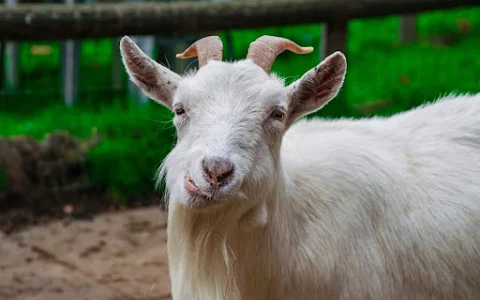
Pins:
x: 38, y: 179
x: 112, y: 256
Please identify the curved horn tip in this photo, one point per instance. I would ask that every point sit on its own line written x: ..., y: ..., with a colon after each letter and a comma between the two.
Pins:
x: 191, y: 51
x: 305, y: 50
x: 181, y: 55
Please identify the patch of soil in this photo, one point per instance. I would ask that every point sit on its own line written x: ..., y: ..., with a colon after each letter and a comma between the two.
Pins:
x: 117, y: 255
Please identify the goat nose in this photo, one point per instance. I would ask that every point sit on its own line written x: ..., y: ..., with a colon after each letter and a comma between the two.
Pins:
x: 217, y: 170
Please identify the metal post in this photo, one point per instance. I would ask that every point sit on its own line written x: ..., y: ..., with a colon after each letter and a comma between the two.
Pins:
x: 12, y: 53
x: 178, y: 46
x: 228, y: 36
x: 71, y: 60
x: 2, y: 65
x: 408, y: 28
x: 334, y: 38
x: 146, y: 43
x: 229, y: 53
x: 117, y: 70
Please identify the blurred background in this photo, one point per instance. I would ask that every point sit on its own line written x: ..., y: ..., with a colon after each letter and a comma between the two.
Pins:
x: 77, y: 139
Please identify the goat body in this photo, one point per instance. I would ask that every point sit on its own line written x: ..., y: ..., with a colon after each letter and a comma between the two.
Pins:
x: 382, y: 208
x: 378, y: 208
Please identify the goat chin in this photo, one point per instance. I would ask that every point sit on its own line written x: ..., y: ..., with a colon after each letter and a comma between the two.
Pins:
x: 380, y: 208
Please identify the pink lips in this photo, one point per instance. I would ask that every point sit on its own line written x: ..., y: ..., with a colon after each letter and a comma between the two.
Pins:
x: 190, y: 185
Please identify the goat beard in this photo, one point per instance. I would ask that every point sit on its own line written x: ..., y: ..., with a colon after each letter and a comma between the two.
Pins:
x: 200, y: 257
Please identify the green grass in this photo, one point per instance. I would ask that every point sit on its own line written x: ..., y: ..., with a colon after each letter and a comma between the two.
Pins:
x: 379, y: 68
x: 137, y: 138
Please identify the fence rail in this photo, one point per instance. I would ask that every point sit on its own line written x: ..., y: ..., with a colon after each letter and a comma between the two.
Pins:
x: 58, y: 21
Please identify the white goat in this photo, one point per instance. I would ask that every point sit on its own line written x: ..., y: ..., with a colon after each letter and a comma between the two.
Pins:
x: 261, y: 208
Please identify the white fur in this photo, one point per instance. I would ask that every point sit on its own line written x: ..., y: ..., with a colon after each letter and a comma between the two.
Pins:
x: 379, y: 208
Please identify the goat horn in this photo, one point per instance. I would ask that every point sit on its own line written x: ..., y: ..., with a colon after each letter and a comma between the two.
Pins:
x: 207, y: 48
x: 264, y: 50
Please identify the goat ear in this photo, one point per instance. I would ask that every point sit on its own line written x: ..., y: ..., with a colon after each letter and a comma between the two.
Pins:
x: 155, y: 80
x: 317, y: 87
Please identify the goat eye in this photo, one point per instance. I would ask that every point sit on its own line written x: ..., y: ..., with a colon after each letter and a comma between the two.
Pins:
x: 277, y: 115
x: 179, y: 110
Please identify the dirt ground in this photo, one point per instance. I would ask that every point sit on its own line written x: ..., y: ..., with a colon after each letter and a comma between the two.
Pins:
x: 115, y: 256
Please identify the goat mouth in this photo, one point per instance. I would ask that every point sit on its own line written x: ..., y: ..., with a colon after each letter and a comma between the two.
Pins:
x: 200, y: 197
x: 191, y: 185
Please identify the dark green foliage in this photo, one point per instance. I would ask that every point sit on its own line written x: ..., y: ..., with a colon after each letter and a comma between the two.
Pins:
x: 136, y: 139
x: 127, y: 164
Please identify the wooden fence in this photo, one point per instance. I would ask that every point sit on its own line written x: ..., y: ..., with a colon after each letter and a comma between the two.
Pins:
x: 76, y: 21
x: 58, y: 21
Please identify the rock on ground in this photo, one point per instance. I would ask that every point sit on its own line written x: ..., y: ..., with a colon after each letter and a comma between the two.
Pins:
x: 114, y: 256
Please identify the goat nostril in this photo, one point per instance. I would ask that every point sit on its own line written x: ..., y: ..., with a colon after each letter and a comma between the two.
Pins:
x: 222, y: 179
x: 217, y: 170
